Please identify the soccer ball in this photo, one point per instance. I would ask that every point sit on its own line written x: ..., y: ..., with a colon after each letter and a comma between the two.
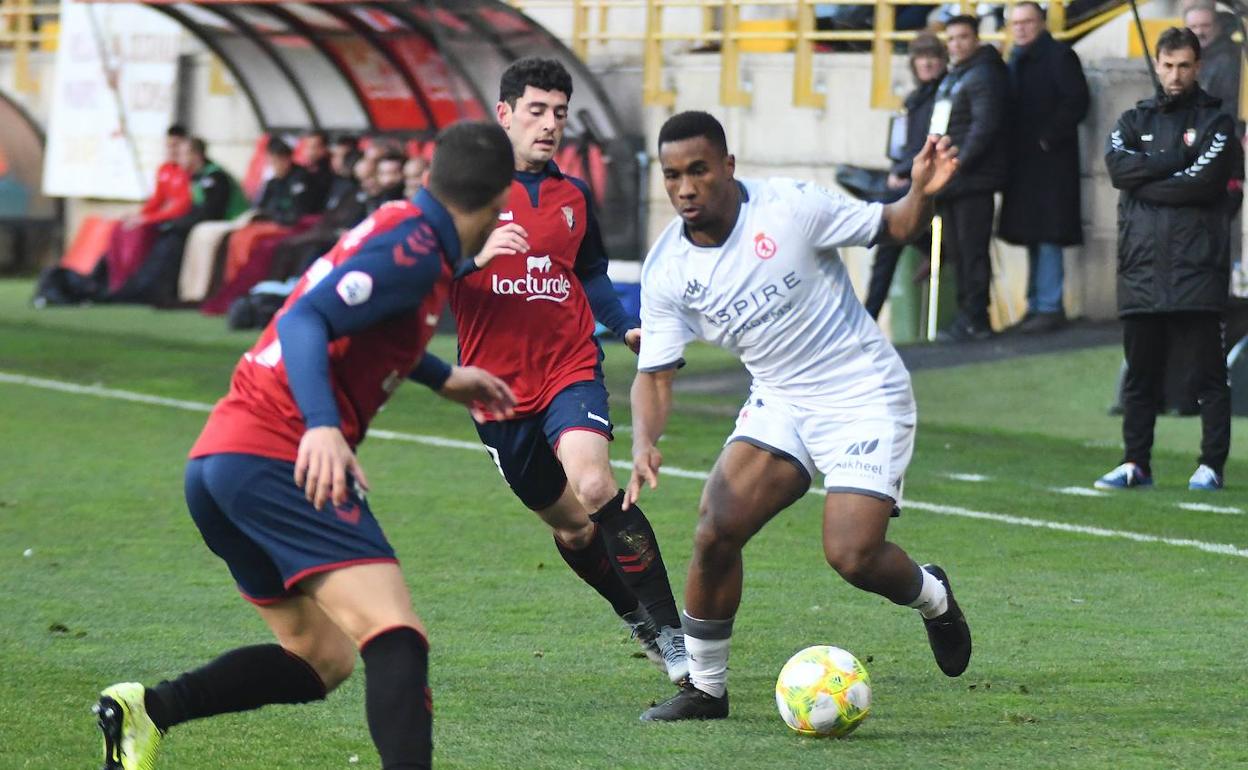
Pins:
x: 823, y: 691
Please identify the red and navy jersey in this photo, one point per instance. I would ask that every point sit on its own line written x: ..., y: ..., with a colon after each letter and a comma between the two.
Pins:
x: 356, y: 324
x: 527, y: 318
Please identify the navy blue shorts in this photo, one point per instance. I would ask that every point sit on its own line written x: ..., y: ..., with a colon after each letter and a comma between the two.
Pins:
x: 251, y: 514
x: 524, y: 449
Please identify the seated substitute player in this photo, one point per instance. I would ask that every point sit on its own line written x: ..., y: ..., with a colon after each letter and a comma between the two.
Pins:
x: 275, y: 488
x: 529, y: 318
x: 751, y: 265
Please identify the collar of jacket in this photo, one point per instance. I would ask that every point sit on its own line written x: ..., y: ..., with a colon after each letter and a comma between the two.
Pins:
x: 1034, y: 48
x: 1196, y: 97
x: 985, y: 52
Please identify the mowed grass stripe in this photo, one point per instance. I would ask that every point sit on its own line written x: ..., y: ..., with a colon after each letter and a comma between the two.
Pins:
x: 1224, y: 549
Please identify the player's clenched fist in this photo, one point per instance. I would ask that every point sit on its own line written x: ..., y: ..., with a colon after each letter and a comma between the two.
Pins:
x: 646, y: 462
x: 322, y: 466
x: 508, y: 239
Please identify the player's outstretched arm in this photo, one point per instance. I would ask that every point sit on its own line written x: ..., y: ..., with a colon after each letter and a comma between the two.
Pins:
x: 931, y: 170
x: 652, y: 402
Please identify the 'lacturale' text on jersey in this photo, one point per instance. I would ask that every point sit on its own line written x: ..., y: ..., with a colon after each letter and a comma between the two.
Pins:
x: 372, y: 303
x: 526, y: 317
x: 777, y: 294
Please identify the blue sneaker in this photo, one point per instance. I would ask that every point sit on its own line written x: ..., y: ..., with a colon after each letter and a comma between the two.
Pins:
x: 1125, y: 476
x: 1205, y: 479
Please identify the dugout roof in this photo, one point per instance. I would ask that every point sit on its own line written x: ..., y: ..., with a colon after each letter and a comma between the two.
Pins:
x: 408, y: 67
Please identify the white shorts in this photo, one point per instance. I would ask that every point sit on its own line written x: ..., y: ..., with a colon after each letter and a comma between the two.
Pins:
x: 865, y: 454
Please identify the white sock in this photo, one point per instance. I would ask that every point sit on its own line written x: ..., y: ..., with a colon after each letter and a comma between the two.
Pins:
x: 708, y: 664
x: 932, y: 601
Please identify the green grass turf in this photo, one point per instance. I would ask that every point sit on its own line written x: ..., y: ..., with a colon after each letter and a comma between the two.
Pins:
x: 1090, y: 652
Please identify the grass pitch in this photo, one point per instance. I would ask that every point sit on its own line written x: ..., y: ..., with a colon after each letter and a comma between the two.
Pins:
x: 1093, y: 649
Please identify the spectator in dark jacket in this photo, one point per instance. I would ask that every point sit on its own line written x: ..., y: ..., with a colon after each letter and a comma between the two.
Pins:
x: 1171, y: 157
x: 1041, y: 207
x: 970, y: 109
x: 928, y: 60
x: 1219, y: 56
x: 215, y: 195
x: 320, y: 169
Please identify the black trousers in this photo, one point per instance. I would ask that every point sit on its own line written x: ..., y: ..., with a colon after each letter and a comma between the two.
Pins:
x: 1154, y: 341
x: 884, y: 265
x: 967, y: 235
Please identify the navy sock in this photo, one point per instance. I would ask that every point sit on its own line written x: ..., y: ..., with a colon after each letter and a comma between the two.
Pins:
x: 240, y: 680
x: 397, y: 698
x: 634, y: 550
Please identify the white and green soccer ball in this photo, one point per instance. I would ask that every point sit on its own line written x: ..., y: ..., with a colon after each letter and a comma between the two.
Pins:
x: 823, y: 690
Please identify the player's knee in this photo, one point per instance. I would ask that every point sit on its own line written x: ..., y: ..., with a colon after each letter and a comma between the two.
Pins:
x: 576, y: 535
x: 855, y: 562
x: 713, y: 537
x: 333, y: 660
x: 595, y: 490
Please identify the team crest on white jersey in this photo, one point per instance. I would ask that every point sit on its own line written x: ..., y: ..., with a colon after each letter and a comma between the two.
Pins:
x: 764, y: 246
x: 570, y: 216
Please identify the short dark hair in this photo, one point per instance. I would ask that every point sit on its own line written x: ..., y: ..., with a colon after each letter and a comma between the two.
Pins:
x: 691, y: 124
x: 966, y: 19
x: 542, y: 74
x: 277, y: 146
x: 347, y: 140
x: 1178, y: 38
x: 199, y: 147
x: 178, y: 130
x: 472, y: 163
x: 394, y: 156
x: 1034, y: 6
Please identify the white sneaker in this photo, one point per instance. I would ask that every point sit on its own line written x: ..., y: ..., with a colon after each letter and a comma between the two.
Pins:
x: 1125, y: 476
x: 1205, y: 479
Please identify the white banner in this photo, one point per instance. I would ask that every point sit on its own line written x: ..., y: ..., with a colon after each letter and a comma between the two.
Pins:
x: 113, y: 100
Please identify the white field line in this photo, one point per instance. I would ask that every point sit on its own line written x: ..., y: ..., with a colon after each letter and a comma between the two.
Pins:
x: 973, y: 478
x: 447, y: 443
x: 1206, y: 507
x: 1079, y: 491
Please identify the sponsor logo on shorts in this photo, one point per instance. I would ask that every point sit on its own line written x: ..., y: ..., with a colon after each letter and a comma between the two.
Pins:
x: 595, y: 417
x: 863, y: 447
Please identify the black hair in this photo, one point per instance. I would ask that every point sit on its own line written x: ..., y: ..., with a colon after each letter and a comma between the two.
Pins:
x: 472, y: 164
x: 966, y: 19
x: 1178, y: 38
x: 347, y: 140
x: 199, y: 147
x: 688, y: 125
x: 394, y: 156
x: 542, y: 74
x: 1034, y: 6
x: 178, y: 130
x: 276, y: 146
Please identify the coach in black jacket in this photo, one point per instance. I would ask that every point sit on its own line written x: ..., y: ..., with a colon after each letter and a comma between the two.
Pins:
x: 970, y: 108
x: 1171, y: 157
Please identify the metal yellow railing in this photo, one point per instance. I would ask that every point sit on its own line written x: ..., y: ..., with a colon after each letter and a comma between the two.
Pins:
x: 729, y: 33
x: 18, y: 31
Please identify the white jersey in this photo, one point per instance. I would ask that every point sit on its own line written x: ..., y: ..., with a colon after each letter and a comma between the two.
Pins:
x: 778, y: 296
